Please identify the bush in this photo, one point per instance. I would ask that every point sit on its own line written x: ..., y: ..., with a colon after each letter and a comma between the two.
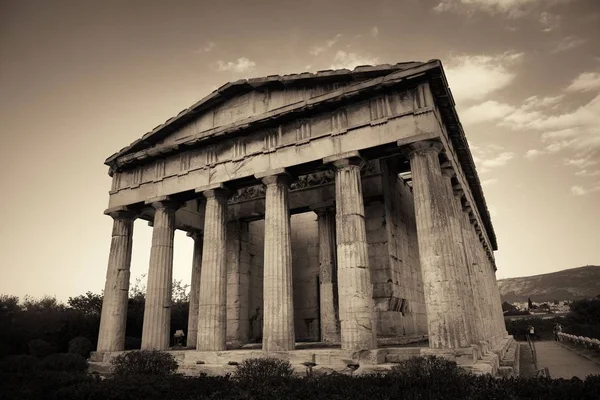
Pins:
x: 260, y: 370
x: 80, y: 345
x: 65, y: 362
x: 22, y: 363
x: 429, y: 368
x: 144, y: 362
x: 40, y: 348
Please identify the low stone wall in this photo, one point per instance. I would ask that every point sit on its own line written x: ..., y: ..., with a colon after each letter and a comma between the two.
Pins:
x: 585, y: 342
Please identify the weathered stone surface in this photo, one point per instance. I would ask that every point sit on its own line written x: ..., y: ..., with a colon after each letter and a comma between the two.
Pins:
x: 272, y: 278
x: 330, y: 329
x: 157, y: 311
x: 192, y: 334
x: 238, y: 285
x: 354, y: 280
x: 111, y: 336
x: 213, y: 282
x: 446, y: 314
x: 278, y: 325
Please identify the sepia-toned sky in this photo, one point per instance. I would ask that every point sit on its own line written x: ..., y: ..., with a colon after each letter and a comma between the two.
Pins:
x: 81, y: 79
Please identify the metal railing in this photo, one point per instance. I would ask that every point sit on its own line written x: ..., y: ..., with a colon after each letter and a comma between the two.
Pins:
x: 538, y: 372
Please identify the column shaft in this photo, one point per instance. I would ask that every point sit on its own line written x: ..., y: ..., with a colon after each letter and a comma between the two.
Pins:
x: 157, y: 312
x: 446, y: 312
x: 111, y: 336
x: 238, y: 284
x: 278, y: 322
x: 330, y: 331
x: 476, y: 291
x: 213, y: 283
x: 192, y: 333
x: 354, y: 279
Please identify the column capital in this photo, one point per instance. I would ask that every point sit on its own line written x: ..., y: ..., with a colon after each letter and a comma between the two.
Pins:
x: 345, y: 159
x: 121, y: 213
x: 323, y: 207
x: 214, y: 190
x: 164, y: 202
x: 275, y: 176
x: 447, y: 170
x: 424, y: 147
x: 196, y: 235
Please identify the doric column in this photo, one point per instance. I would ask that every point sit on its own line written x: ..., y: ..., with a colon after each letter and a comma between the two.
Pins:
x: 354, y: 280
x: 278, y: 299
x: 238, y: 285
x: 192, y: 333
x: 111, y: 336
x: 212, y: 322
x: 330, y: 330
x: 447, y: 318
x: 475, y: 289
x: 480, y: 274
x: 157, y: 312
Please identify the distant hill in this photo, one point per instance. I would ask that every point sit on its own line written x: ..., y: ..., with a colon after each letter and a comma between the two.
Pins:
x: 568, y: 284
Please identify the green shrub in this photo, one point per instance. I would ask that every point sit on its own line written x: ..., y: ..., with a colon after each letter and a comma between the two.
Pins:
x: 21, y: 363
x: 40, y: 348
x: 65, y: 362
x: 80, y: 345
x: 144, y: 362
x: 427, y: 368
x: 260, y: 370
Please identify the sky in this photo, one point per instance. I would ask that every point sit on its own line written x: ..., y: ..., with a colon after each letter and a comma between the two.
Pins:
x: 81, y: 79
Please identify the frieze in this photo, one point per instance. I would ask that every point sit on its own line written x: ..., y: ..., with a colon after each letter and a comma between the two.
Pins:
x: 248, y: 193
x: 314, y: 179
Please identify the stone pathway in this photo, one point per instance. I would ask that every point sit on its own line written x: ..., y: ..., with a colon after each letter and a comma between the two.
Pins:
x: 562, y: 362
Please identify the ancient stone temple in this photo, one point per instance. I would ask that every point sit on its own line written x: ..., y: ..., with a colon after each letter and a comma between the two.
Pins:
x: 337, y: 218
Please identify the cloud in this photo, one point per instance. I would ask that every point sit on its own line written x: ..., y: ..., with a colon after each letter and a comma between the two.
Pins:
x: 316, y: 50
x: 533, y: 153
x: 586, y: 81
x: 549, y: 21
x: 489, y: 182
x: 473, y: 77
x: 209, y: 46
x: 567, y: 43
x: 581, y: 162
x: 490, y: 110
x: 508, y: 8
x: 350, y: 60
x: 585, y: 172
x: 490, y: 156
x: 581, y: 191
x: 242, y: 64
x: 498, y: 161
x: 374, y: 32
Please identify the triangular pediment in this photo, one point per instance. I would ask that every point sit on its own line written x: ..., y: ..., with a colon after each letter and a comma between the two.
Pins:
x: 243, y: 99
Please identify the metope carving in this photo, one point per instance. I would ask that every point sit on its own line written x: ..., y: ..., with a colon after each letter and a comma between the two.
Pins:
x: 314, y: 179
x: 248, y: 193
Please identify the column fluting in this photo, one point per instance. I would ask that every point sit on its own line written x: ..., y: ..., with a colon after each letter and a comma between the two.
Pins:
x: 111, y: 336
x: 157, y: 311
x: 192, y: 333
x: 278, y: 322
x: 447, y: 317
x: 212, y: 312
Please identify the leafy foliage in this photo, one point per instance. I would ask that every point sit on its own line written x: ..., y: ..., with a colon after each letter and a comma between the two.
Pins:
x: 89, y: 303
x: 81, y: 346
x: 144, y: 362
x: 65, y: 362
x: 40, y: 348
x: 260, y: 370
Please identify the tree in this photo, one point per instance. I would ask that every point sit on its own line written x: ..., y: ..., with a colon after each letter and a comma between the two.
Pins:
x: 507, y: 307
x: 89, y: 303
